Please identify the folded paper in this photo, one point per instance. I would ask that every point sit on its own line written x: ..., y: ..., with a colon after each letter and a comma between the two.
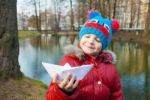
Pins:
x: 78, y: 71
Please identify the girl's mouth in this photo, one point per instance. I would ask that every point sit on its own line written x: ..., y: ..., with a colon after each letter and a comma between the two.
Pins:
x: 91, y: 47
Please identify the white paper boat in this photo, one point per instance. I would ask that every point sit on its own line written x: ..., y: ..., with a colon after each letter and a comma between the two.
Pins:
x: 78, y: 71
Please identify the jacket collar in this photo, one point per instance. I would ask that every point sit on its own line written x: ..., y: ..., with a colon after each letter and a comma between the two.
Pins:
x: 106, y: 56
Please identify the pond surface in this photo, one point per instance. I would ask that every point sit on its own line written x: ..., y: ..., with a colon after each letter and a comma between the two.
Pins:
x: 133, y: 62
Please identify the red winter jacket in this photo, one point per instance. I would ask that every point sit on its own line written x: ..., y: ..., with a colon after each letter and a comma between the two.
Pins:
x: 101, y: 83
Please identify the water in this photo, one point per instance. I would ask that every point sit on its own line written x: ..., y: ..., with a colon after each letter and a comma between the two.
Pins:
x: 133, y: 62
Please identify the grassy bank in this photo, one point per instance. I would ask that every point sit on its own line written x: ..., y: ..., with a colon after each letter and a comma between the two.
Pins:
x: 24, y: 34
x: 22, y: 89
x: 67, y: 33
x: 119, y: 36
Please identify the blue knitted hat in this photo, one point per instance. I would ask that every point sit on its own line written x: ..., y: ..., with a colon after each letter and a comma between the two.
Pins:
x: 99, y: 26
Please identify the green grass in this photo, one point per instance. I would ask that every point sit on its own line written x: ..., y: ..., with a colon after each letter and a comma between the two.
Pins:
x: 69, y: 33
x: 40, y: 83
x: 25, y: 34
x: 36, y: 82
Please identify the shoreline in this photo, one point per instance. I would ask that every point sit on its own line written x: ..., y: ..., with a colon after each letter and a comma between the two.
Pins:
x: 122, y: 35
x: 131, y: 37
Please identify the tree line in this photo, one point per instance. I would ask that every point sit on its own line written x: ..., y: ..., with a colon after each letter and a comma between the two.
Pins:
x: 131, y: 13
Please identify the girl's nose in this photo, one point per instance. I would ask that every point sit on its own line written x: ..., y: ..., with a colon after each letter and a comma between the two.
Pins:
x: 91, y: 40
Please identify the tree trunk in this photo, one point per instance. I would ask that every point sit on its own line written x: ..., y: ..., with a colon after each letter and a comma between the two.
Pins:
x: 57, y: 16
x: 39, y: 20
x: 9, y: 46
x: 109, y: 8
x: 36, y: 14
x: 147, y: 21
x: 72, y: 17
x: 46, y: 15
x: 131, y: 15
x: 138, y: 13
x: 90, y: 4
x: 114, y: 9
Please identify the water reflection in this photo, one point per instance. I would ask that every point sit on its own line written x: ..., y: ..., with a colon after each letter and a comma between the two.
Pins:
x: 133, y: 62
x: 134, y: 67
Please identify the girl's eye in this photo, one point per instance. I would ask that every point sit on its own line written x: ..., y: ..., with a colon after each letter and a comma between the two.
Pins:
x: 87, y: 36
x: 98, y: 40
x: 107, y: 27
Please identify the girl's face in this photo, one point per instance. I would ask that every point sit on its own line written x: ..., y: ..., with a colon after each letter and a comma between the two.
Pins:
x: 91, y: 44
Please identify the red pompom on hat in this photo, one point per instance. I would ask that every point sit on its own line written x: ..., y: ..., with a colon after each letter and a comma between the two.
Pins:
x: 115, y: 25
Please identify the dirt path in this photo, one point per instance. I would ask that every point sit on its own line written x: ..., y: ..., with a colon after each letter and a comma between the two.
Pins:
x: 24, y: 89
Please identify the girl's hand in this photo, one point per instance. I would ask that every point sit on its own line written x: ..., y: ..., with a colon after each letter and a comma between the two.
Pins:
x: 68, y: 84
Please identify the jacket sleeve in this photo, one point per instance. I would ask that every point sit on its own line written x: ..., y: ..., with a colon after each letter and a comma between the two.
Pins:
x: 54, y: 92
x: 116, y: 89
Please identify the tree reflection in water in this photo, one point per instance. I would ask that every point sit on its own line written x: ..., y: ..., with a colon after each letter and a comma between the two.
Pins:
x: 134, y: 69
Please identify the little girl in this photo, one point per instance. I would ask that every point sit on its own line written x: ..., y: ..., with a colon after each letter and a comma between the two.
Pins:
x: 102, y: 81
